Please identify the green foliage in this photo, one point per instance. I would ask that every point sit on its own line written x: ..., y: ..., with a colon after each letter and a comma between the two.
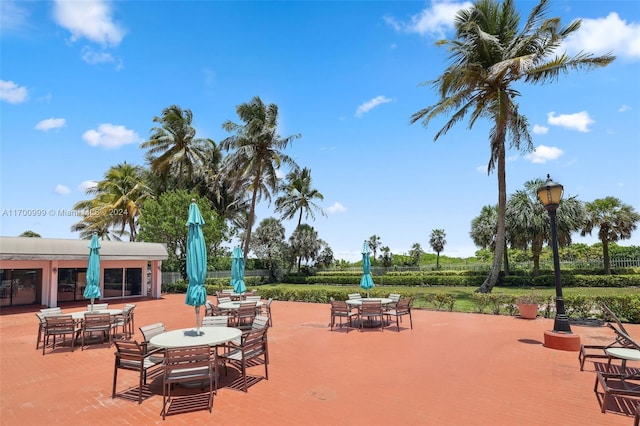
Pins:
x: 441, y: 301
x: 164, y: 221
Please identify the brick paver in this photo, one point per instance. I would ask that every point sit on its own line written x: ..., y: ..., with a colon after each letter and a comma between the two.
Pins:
x: 451, y: 369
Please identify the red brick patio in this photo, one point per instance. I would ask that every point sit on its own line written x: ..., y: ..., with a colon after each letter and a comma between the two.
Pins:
x: 451, y: 369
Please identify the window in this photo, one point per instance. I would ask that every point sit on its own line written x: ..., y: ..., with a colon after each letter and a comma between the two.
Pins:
x: 20, y: 286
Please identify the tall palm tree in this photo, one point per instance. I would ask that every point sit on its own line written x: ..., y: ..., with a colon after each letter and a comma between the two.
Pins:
x: 437, y: 242
x: 489, y: 57
x: 173, y: 148
x: 305, y: 244
x: 528, y: 222
x: 299, y: 196
x: 615, y: 220
x: 117, y: 202
x: 374, y: 243
x: 484, y: 230
x: 256, y: 154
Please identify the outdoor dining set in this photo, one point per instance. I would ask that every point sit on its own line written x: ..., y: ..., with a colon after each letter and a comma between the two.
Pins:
x: 370, y: 312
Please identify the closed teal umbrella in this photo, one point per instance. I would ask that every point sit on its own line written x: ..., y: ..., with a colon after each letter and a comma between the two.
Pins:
x: 237, y: 271
x: 92, y: 290
x: 196, y: 261
x: 366, y: 282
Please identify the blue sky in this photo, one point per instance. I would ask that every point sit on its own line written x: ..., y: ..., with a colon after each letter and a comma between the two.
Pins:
x: 80, y: 83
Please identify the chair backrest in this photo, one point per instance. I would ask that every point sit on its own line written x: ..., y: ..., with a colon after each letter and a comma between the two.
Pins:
x: 129, y: 350
x: 247, y: 308
x: 254, y: 343
x: 394, y: 297
x: 216, y: 321
x: 96, y: 320
x: 224, y: 299
x: 98, y: 306
x: 339, y: 306
x: 252, y: 298
x: 371, y: 306
x: 624, y: 339
x: 228, y: 291
x: 403, y: 305
x: 354, y: 296
x: 59, y: 324
x: 260, y: 322
x: 608, y: 312
x: 148, y: 331
x: 51, y: 311
x: 184, y: 361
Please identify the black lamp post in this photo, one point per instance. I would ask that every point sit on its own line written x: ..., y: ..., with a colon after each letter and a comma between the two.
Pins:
x: 550, y: 195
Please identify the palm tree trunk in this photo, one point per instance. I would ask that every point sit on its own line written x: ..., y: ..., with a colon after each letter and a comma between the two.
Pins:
x: 300, y: 218
x: 506, y: 260
x: 252, y: 212
x: 492, y: 279
x: 605, y: 257
x: 438, y: 260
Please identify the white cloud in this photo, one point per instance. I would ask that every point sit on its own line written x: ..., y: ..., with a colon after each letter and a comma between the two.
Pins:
x: 110, y: 136
x: 578, y: 121
x: 369, y: 105
x: 12, y: 16
x: 624, y: 108
x: 50, y: 123
x: 12, y: 93
x: 62, y: 190
x: 540, y: 130
x: 90, y: 19
x: 336, y: 208
x: 90, y: 56
x: 432, y: 21
x: 604, y: 35
x: 543, y: 153
x: 87, y: 184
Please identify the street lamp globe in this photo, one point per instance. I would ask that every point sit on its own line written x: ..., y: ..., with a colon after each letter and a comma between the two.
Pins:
x: 550, y: 194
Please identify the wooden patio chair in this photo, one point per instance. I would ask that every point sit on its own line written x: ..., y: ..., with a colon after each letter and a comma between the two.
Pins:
x: 184, y: 365
x: 252, y: 350
x: 340, y: 310
x: 125, y: 320
x: 599, y: 351
x: 130, y: 355
x: 403, y: 307
x: 245, y: 314
x: 148, y: 331
x: 265, y: 309
x: 42, y: 323
x: 623, y: 383
x: 352, y: 296
x: 371, y: 310
x: 59, y: 325
x: 98, y: 323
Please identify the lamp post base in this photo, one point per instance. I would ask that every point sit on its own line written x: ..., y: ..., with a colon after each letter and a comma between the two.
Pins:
x: 561, y: 341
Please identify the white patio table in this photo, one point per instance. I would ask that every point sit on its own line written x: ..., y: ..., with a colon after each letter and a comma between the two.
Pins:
x: 79, y: 316
x: 183, y: 337
x: 358, y: 302
x: 233, y: 306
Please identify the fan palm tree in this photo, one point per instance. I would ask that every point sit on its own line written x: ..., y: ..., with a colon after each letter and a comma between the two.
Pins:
x: 528, y: 222
x: 615, y: 220
x: 437, y: 242
x: 489, y: 57
x: 117, y: 202
x: 299, y: 196
x: 256, y: 154
x: 374, y: 243
x: 173, y: 149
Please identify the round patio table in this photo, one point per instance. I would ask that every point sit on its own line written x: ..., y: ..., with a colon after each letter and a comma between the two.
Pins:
x: 183, y: 337
x: 358, y: 302
x: 78, y: 316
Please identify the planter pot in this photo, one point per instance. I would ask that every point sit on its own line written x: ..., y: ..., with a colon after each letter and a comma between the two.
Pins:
x: 528, y: 310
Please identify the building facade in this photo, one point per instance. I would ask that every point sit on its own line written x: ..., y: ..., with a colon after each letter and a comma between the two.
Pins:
x: 46, y: 271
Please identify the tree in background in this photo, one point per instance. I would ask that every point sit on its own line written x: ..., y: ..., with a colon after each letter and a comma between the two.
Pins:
x: 489, y: 57
x: 437, y: 242
x: 325, y: 258
x: 116, y: 205
x: 30, y: 234
x: 165, y: 220
x: 255, y: 154
x: 615, y: 220
x: 415, y: 254
x: 528, y: 223
x: 174, y: 151
x: 386, y: 257
x: 305, y: 244
x: 298, y: 196
x: 374, y: 243
x: 269, y: 245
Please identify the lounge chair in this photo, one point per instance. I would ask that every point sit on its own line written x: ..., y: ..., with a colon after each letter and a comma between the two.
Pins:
x: 599, y: 351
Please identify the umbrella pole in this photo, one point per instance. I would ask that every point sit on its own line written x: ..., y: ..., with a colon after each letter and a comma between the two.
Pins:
x: 198, y: 319
x: 92, y: 304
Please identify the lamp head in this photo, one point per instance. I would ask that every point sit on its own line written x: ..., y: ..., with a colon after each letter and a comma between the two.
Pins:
x: 550, y: 194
